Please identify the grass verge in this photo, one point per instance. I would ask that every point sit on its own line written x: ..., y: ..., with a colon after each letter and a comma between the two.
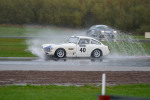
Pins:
x: 139, y: 37
x: 11, y: 31
x: 27, y: 30
x: 14, y: 48
x: 53, y: 92
x: 19, y: 31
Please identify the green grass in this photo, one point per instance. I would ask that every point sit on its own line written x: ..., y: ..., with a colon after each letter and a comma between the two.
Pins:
x: 139, y: 37
x: 19, y: 31
x: 13, y: 48
x: 147, y: 48
x: 27, y: 30
x: 134, y: 90
x: 53, y: 92
x: 11, y: 31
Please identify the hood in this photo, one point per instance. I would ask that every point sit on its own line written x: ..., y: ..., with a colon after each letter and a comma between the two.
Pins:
x: 46, y: 45
x: 60, y: 44
x: 108, y: 32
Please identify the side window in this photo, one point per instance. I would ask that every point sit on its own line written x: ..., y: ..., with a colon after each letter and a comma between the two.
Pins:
x: 95, y: 42
x: 84, y: 41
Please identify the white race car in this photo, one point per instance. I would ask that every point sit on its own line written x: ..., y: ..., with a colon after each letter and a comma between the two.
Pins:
x: 77, y: 46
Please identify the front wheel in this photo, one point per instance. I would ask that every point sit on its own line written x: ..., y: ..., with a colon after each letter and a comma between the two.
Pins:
x: 96, y: 53
x: 60, y: 53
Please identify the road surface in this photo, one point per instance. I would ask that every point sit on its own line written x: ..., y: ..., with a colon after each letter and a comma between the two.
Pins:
x: 130, y: 63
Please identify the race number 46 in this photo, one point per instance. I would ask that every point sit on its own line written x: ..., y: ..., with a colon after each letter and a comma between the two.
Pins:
x: 83, y: 49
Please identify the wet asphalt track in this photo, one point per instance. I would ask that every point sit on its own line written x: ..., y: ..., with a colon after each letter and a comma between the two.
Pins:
x: 109, y: 63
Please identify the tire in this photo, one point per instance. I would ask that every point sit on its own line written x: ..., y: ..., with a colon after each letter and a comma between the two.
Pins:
x: 96, y: 53
x: 60, y: 53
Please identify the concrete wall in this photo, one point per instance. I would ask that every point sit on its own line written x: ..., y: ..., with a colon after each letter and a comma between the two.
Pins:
x: 147, y: 34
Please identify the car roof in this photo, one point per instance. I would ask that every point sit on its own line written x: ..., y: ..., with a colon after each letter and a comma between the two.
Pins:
x: 84, y: 37
x: 96, y: 26
x: 100, y: 25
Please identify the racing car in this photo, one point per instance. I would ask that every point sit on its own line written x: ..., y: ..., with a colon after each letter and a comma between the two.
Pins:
x: 102, y: 32
x: 76, y: 46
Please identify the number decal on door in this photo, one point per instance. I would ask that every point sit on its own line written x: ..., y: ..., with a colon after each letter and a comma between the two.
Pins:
x: 83, y: 49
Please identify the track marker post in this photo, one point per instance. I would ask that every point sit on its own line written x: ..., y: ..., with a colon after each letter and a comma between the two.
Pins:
x: 103, y: 96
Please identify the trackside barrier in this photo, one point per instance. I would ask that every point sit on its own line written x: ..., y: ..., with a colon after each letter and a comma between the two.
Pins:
x: 126, y: 98
x: 147, y: 34
x: 107, y: 97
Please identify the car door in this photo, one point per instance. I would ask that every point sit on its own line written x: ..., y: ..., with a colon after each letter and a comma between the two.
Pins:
x: 82, y: 49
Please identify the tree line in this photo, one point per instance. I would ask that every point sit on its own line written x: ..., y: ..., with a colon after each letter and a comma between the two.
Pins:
x: 126, y: 15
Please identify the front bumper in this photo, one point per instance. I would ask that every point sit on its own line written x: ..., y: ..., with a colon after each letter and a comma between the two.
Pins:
x: 48, y: 52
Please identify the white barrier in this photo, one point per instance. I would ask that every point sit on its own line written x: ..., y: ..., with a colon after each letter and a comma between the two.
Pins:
x: 103, y: 96
x: 103, y: 83
x: 147, y: 34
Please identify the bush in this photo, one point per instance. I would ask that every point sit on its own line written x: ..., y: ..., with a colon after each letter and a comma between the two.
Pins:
x: 126, y: 15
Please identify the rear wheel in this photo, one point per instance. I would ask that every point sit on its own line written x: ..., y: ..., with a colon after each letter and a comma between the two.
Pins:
x: 96, y: 53
x: 60, y: 53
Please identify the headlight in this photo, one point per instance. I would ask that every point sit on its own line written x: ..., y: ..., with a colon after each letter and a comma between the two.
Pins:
x: 102, y: 31
x: 115, y: 32
x: 48, y: 48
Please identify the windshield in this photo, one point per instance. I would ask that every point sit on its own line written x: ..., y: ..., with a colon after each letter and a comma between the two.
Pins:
x: 102, y: 28
x: 73, y: 40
